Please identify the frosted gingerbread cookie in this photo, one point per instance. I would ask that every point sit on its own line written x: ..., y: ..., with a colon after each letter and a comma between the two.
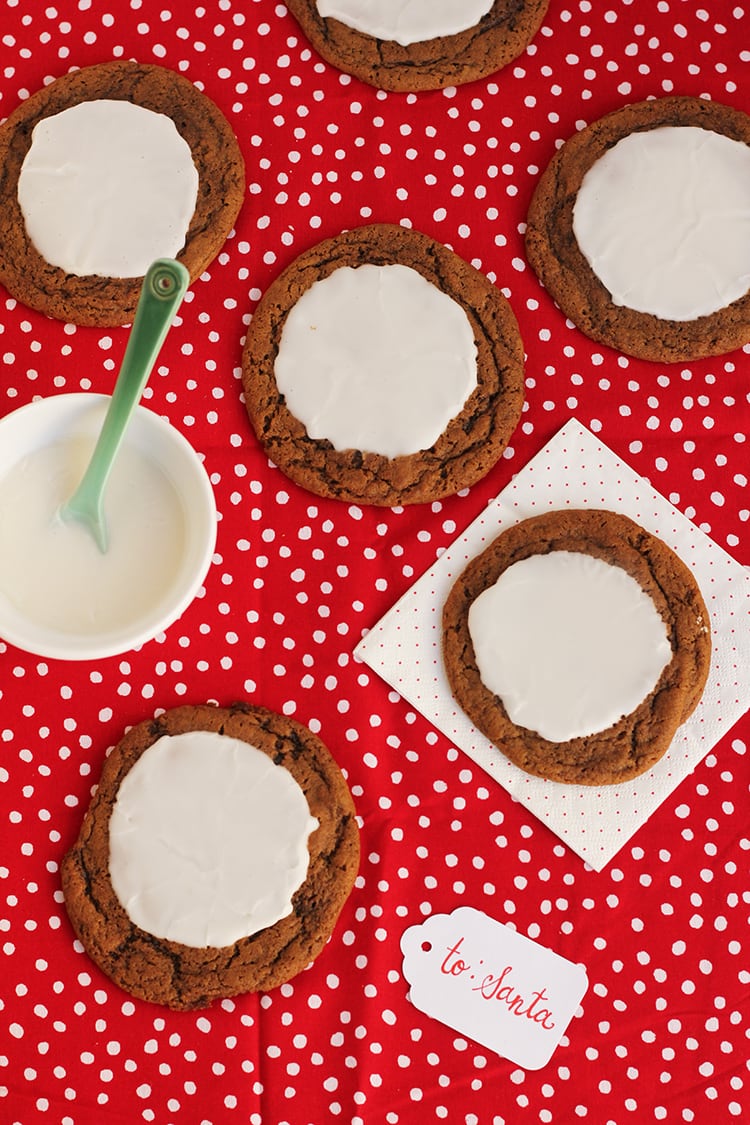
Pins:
x: 102, y: 172
x: 578, y: 643
x: 381, y: 368
x: 419, y: 44
x: 640, y: 229
x: 215, y: 857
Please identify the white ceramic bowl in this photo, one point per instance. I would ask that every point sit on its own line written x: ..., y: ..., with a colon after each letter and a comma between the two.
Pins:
x: 135, y: 611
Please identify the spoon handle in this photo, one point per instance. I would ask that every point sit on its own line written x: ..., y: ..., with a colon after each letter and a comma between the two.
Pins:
x: 161, y: 293
x: 164, y: 286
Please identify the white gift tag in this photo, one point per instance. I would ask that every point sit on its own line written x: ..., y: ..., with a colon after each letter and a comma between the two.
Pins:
x: 492, y: 984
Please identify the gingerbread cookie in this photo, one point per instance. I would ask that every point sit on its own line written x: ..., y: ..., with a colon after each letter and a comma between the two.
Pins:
x: 381, y: 368
x: 399, y: 46
x: 215, y: 857
x: 135, y: 143
x: 640, y: 229
x: 578, y: 643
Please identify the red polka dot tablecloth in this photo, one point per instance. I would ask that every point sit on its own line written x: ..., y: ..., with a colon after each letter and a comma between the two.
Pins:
x: 663, y: 1031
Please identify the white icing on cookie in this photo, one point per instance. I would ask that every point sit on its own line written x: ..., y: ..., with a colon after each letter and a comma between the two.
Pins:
x: 406, y: 21
x: 377, y: 359
x: 663, y: 219
x: 568, y: 642
x: 106, y: 188
x: 208, y: 840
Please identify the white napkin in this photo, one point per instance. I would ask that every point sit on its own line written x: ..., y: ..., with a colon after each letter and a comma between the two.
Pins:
x: 575, y: 470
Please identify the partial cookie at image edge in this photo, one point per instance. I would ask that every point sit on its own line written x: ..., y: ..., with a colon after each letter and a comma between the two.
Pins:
x: 449, y: 60
x: 554, y: 253
x: 107, y: 301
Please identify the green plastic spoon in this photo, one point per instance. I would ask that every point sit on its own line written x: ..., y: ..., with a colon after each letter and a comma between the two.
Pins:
x: 164, y: 286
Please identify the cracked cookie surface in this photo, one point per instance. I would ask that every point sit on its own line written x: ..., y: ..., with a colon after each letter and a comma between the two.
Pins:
x: 638, y: 740
x: 448, y: 60
x: 182, y: 977
x: 555, y: 256
x: 471, y: 443
x: 110, y: 301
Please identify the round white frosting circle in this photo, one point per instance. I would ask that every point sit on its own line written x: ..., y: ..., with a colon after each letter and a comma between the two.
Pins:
x: 376, y: 358
x: 208, y: 840
x: 569, y: 643
x: 663, y: 219
x: 406, y: 21
x: 106, y: 188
